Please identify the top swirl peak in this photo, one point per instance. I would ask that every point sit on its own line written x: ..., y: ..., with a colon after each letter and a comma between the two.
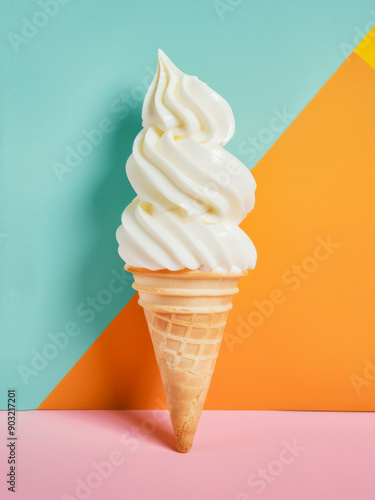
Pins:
x: 186, y: 106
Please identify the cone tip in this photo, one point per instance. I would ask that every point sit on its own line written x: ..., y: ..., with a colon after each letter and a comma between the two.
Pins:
x: 183, y: 447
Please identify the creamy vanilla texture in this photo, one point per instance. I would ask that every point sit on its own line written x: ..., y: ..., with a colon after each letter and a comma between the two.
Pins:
x: 191, y: 193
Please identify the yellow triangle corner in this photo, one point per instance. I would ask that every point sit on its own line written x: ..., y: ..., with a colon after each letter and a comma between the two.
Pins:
x: 366, y: 48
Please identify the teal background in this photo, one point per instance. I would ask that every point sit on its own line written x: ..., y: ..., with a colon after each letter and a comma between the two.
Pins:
x: 57, y: 236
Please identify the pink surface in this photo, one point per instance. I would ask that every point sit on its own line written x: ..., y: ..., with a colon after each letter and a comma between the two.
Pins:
x: 236, y: 456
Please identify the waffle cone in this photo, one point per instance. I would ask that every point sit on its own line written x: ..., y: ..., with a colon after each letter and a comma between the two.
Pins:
x: 186, y: 313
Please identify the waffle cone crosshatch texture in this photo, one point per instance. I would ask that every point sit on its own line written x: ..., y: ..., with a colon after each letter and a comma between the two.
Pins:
x: 186, y: 313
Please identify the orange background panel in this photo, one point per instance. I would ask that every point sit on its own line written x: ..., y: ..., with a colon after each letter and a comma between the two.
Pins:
x: 313, y: 347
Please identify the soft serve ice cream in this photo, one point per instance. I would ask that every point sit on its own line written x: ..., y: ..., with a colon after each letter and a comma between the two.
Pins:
x: 191, y: 193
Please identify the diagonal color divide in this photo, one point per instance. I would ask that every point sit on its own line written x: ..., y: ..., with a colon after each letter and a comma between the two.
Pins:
x: 366, y: 48
x: 300, y: 335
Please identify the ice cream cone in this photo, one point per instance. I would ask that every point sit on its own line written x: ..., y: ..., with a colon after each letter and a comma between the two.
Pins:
x: 186, y: 312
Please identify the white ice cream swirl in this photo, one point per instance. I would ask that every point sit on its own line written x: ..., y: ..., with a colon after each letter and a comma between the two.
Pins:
x: 192, y: 194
